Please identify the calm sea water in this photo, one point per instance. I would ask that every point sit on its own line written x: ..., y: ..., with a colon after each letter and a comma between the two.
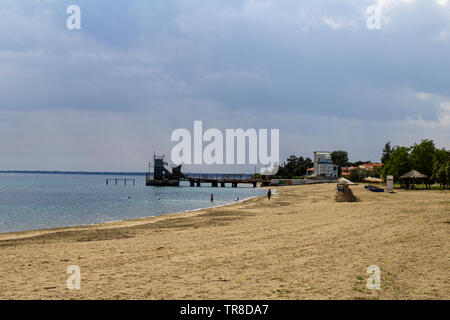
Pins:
x: 39, y: 201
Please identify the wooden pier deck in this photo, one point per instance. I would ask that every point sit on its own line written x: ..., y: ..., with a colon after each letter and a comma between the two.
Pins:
x: 215, y: 180
x: 222, y: 180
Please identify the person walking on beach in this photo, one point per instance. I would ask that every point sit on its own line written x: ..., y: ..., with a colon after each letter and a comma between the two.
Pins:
x: 269, y: 194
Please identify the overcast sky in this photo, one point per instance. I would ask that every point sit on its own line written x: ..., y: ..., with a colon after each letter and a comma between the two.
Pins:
x: 105, y: 97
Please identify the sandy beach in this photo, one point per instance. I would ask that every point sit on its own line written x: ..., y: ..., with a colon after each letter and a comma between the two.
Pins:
x: 300, y: 245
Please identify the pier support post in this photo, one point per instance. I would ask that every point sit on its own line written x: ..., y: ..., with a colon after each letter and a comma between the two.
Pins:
x: 214, y: 184
x: 191, y: 182
x: 234, y: 185
x: 222, y: 184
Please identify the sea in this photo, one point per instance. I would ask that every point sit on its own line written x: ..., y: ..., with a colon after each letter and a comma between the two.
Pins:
x: 30, y: 201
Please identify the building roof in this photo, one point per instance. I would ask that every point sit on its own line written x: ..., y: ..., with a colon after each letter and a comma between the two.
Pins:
x: 413, y: 174
x: 371, y: 164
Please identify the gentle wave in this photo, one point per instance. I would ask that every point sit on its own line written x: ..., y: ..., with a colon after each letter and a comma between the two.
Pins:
x: 43, y: 201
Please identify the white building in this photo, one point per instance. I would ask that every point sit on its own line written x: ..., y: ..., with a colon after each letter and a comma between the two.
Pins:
x: 323, y: 166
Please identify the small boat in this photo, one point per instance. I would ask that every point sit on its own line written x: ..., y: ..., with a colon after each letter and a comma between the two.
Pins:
x: 374, y: 189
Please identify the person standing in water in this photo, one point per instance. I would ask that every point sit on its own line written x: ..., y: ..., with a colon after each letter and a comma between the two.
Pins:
x: 269, y: 194
x: 212, y: 197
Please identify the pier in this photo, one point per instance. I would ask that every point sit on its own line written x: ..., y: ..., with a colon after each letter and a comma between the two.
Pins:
x: 119, y: 180
x: 162, y: 177
x: 217, y: 180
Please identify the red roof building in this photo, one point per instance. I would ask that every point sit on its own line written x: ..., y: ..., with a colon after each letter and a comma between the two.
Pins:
x: 370, y: 166
x: 345, y: 171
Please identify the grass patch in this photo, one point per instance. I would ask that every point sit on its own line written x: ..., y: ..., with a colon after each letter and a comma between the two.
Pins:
x: 420, y: 187
x: 283, y: 292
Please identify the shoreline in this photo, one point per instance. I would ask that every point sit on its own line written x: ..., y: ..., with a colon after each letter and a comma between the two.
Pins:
x: 26, y: 234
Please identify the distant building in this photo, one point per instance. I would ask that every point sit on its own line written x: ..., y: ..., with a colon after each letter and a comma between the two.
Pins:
x: 370, y: 166
x: 323, y: 165
x: 345, y: 171
x: 363, y: 168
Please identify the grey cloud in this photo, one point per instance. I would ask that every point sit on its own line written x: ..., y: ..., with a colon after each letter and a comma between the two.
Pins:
x: 225, y: 62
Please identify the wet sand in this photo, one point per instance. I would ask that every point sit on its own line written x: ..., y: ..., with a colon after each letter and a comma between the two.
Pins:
x: 300, y: 245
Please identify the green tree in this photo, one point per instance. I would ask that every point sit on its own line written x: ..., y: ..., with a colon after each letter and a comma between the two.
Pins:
x: 356, y: 175
x: 441, y: 168
x: 357, y: 163
x: 294, y: 167
x: 398, y: 163
x: 441, y: 155
x: 423, y: 156
x: 374, y: 173
x: 291, y: 163
x: 387, y: 151
x: 339, y: 158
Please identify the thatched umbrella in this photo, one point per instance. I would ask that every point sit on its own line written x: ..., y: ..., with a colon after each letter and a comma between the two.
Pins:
x: 414, y: 177
x: 344, y: 193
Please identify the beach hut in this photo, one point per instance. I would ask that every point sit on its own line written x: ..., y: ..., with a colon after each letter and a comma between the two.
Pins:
x: 410, y: 179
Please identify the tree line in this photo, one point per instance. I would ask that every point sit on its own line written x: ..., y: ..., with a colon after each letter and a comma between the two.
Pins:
x: 296, y: 167
x: 423, y: 157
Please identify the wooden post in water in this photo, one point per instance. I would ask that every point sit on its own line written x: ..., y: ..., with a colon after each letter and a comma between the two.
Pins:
x: 116, y: 180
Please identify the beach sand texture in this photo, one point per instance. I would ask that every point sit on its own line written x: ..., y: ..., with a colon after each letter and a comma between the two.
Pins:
x: 300, y: 245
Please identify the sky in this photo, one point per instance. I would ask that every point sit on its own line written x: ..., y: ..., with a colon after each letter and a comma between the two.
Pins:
x: 108, y: 96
